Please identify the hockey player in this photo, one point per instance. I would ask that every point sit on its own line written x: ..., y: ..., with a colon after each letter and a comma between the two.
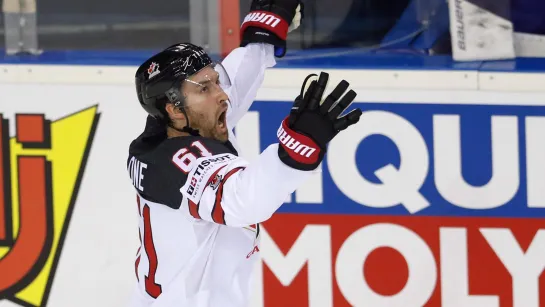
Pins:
x: 199, y: 203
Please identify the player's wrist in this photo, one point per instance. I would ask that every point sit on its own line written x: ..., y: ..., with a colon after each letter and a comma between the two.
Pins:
x: 298, y: 149
x: 257, y: 35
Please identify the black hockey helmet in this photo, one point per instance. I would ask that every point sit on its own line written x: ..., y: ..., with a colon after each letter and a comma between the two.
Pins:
x: 158, y: 80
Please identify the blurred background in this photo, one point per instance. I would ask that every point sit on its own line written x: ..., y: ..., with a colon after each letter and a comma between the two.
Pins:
x: 414, y: 26
x: 142, y: 24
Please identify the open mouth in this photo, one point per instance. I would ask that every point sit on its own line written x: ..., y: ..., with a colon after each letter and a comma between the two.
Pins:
x: 221, y: 120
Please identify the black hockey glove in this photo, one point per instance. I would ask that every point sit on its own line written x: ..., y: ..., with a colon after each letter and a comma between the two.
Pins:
x: 269, y: 21
x: 311, y: 125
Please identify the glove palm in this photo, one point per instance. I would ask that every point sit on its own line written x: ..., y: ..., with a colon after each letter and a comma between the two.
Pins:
x: 313, y: 123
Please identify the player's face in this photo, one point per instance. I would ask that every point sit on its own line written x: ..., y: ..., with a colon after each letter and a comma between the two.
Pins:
x: 206, y: 104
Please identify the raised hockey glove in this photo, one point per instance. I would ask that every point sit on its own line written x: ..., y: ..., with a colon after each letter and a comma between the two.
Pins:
x: 312, y: 124
x: 269, y: 21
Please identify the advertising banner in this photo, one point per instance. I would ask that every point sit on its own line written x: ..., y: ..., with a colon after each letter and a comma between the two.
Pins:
x: 67, y: 212
x: 434, y: 199
x: 419, y: 205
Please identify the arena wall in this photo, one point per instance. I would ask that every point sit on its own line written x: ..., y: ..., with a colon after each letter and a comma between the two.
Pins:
x: 436, y: 198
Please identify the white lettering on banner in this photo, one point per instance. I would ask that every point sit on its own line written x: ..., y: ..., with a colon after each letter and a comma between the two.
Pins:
x: 311, y: 192
x: 525, y: 269
x: 419, y: 258
x: 309, y: 249
x: 454, y: 272
x: 313, y: 247
x: 450, y: 183
x: 399, y: 185
x: 535, y: 161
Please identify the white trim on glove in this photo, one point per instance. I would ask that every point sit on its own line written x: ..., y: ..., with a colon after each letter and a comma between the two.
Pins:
x: 296, y: 21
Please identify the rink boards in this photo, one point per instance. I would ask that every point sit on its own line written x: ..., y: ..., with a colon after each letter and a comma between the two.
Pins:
x: 435, y: 198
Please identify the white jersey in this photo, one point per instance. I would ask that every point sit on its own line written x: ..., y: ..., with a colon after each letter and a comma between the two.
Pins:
x: 200, y: 205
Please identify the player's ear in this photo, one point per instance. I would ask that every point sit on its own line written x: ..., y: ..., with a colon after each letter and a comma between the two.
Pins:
x: 174, y: 112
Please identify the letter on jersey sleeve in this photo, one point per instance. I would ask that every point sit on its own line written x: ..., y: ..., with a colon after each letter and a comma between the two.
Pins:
x: 226, y: 189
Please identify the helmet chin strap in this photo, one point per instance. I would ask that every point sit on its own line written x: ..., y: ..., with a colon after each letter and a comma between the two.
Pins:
x: 174, y: 96
x: 185, y: 129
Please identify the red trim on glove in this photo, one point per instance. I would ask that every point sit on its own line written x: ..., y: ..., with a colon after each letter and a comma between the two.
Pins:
x: 299, y: 147
x: 268, y: 21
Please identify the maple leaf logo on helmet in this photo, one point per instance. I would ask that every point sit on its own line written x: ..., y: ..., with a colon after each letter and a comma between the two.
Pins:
x: 153, y: 70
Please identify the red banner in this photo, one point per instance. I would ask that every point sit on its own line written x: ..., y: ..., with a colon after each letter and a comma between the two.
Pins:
x: 347, y: 260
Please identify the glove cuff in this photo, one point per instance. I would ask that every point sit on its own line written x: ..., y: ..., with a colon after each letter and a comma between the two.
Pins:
x: 267, y: 21
x: 297, y: 150
x: 265, y: 27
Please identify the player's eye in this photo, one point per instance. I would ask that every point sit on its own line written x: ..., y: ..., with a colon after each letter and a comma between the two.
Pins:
x: 204, y: 88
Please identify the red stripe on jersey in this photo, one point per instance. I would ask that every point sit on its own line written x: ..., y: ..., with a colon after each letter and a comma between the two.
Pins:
x: 218, y: 215
x: 138, y: 258
x: 194, y: 210
x: 152, y: 288
x: 136, y: 268
x: 139, y: 238
x: 138, y: 203
x: 193, y: 207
